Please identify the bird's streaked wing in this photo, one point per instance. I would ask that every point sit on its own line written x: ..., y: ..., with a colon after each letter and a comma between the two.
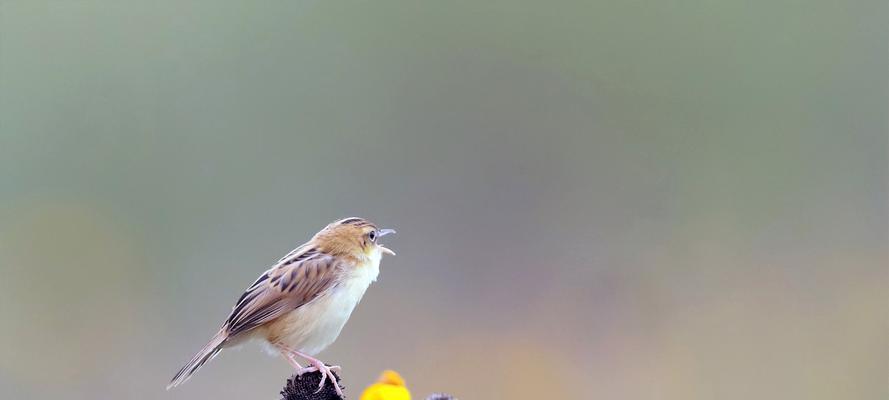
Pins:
x: 297, y: 279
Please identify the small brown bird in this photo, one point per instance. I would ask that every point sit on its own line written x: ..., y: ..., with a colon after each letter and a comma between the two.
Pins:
x: 299, y: 306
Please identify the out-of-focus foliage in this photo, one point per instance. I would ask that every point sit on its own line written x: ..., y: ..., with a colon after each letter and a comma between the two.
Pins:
x: 671, y: 199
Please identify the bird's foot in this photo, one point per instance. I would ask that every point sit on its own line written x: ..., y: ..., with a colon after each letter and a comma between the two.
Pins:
x: 326, y: 371
x: 313, y: 368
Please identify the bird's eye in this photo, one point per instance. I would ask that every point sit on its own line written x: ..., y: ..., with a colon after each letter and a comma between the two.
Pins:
x: 372, y: 235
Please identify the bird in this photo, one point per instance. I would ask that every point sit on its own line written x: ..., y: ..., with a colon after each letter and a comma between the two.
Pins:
x: 389, y: 386
x: 299, y: 306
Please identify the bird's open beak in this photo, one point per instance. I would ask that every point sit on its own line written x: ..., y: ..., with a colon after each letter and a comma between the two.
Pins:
x: 384, y: 232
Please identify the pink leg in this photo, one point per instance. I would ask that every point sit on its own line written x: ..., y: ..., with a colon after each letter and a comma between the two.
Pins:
x: 293, y: 362
x: 288, y: 355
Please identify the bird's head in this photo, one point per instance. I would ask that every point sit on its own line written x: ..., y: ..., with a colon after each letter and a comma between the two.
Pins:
x: 356, y: 237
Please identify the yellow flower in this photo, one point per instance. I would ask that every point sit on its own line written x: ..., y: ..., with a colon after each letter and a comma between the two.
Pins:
x: 390, y: 386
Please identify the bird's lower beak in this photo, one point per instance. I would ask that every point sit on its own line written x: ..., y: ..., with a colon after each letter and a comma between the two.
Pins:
x: 384, y: 232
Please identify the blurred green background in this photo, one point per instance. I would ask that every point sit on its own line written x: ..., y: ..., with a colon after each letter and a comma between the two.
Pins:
x: 612, y: 199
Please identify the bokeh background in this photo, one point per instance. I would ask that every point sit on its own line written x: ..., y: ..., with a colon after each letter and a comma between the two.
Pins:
x: 604, y: 199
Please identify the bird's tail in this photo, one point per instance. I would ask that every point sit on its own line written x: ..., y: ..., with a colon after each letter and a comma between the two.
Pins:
x: 206, y: 354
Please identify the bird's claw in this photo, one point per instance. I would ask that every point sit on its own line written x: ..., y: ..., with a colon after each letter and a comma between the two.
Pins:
x: 326, y: 371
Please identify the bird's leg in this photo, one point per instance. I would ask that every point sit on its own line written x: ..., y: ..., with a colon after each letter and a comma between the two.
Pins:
x: 288, y: 355
x: 293, y: 362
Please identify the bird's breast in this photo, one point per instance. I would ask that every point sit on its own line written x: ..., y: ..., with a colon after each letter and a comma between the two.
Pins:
x: 315, y: 325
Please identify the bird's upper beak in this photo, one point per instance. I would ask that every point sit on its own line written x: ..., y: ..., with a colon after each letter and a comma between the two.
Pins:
x: 381, y: 233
